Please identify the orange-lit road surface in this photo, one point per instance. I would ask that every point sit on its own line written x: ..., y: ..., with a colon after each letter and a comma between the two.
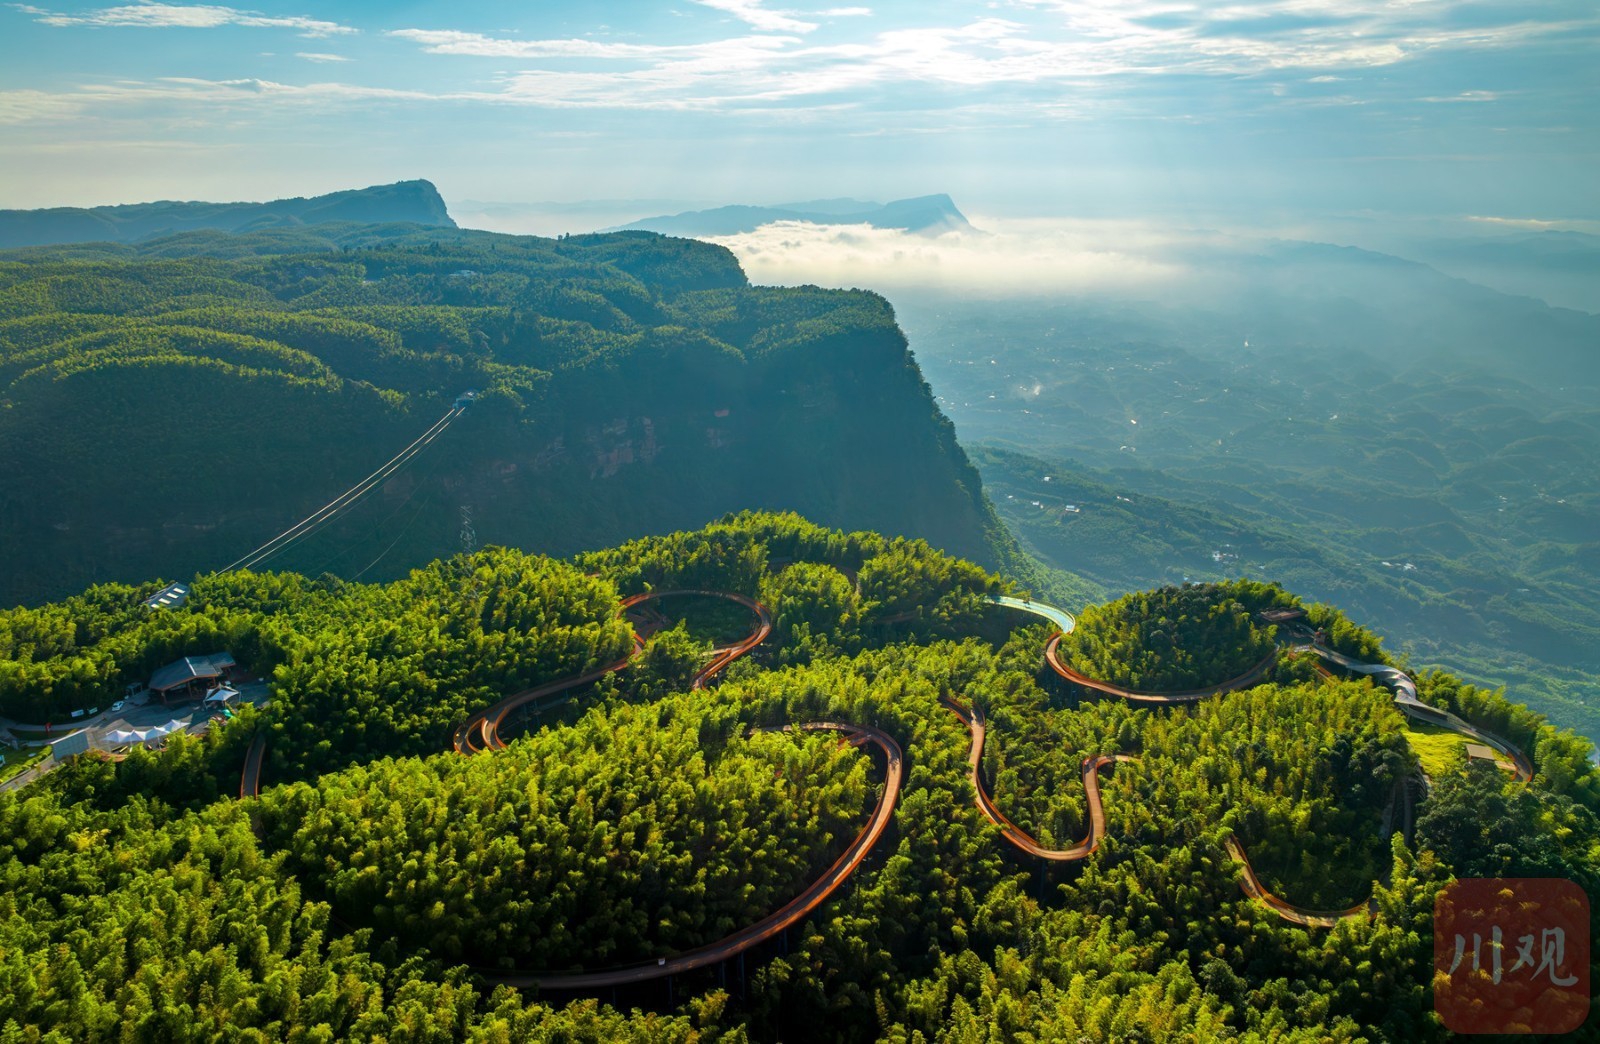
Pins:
x: 250, y: 779
x: 976, y: 727
x: 482, y: 731
x: 1249, y: 882
x: 1288, y: 911
x: 725, y: 656
x: 764, y: 930
x: 1250, y: 677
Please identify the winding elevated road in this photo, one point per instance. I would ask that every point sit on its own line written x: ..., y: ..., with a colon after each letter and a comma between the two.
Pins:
x: 977, y: 729
x: 482, y: 733
x: 482, y: 730
x: 1065, y: 622
x: 1024, y: 842
x: 722, y: 658
x: 1405, y: 697
x: 769, y: 927
x: 1252, y: 886
x: 1254, y: 674
x: 250, y: 779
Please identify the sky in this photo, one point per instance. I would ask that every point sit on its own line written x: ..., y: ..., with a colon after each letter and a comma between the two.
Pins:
x: 1197, y: 111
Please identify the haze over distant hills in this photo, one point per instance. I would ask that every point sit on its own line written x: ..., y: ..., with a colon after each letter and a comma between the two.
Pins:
x: 417, y: 202
x: 1561, y: 267
x: 927, y: 215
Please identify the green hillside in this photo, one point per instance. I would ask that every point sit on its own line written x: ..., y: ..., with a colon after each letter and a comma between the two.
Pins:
x: 167, y: 407
x: 385, y: 887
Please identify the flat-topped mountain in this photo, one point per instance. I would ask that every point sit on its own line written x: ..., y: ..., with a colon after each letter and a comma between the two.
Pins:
x: 417, y: 202
x: 928, y: 215
x: 167, y: 407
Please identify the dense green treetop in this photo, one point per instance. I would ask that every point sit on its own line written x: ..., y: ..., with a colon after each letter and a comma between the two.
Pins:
x: 608, y: 842
x: 1173, y: 638
x: 139, y: 901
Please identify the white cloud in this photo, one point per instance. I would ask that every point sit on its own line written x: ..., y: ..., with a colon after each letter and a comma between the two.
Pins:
x: 757, y: 17
x: 450, y: 41
x: 150, y: 15
x: 318, y: 56
x: 1466, y: 96
x: 28, y: 106
x: 214, y: 94
x: 1062, y: 48
x: 1063, y: 60
x: 846, y: 12
x: 1036, y: 258
x: 1535, y: 224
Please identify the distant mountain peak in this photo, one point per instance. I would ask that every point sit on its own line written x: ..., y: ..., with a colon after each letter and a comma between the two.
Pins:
x: 417, y: 202
x: 924, y: 215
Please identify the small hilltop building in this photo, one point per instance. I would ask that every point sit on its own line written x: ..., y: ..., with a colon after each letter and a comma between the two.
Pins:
x: 191, y: 677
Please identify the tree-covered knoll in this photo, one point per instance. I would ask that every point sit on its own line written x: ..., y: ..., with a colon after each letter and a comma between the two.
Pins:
x: 1219, y: 766
x: 645, y: 831
x: 706, y: 618
x: 640, y: 818
x: 895, y: 579
x: 1170, y: 639
x: 118, y: 925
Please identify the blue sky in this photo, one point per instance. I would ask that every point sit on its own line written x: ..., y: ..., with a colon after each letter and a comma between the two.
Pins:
x: 1015, y: 107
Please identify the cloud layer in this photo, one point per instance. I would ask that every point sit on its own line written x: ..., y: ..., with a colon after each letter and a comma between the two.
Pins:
x: 150, y: 15
x: 1349, y: 104
x: 1025, y: 44
x: 1034, y: 258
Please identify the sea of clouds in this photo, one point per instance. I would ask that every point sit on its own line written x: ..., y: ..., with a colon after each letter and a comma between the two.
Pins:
x: 1015, y: 257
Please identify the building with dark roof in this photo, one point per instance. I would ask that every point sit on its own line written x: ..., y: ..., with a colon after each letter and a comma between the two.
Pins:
x: 190, y: 677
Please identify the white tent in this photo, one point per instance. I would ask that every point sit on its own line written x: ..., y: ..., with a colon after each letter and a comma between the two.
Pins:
x: 122, y: 737
x: 222, y: 694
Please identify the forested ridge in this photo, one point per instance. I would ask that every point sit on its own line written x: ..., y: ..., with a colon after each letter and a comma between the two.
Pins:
x: 356, y: 896
x: 415, y: 201
x: 629, y: 383
x: 1173, y: 638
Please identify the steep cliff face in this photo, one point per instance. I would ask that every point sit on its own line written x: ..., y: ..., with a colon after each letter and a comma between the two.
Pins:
x: 162, y: 418
x: 849, y: 434
x: 416, y: 202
